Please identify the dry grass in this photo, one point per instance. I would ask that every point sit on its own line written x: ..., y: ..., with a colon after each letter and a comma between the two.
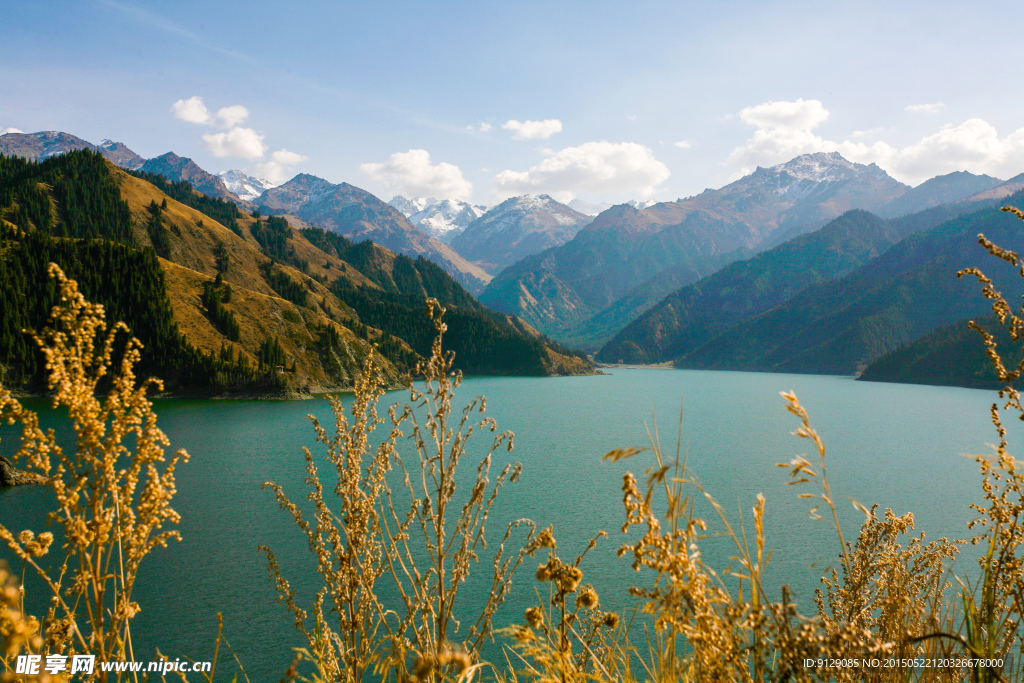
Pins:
x: 422, y: 536
x: 113, y: 500
x: 411, y: 526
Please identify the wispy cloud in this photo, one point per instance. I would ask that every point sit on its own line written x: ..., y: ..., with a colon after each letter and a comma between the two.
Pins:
x: 148, y: 18
x: 533, y: 130
x: 933, y: 108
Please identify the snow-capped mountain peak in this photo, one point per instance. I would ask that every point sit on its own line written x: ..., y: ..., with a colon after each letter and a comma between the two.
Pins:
x: 408, y: 207
x: 447, y: 218
x: 825, y: 167
x: 641, y: 204
x: 245, y: 186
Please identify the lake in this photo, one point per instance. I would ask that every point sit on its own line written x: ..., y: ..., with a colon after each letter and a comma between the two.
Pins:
x: 900, y: 446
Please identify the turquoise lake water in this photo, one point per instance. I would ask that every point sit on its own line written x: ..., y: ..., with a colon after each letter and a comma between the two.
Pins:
x: 900, y: 446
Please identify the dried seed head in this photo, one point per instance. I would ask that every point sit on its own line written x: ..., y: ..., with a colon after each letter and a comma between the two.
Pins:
x: 587, y: 597
x: 546, y: 539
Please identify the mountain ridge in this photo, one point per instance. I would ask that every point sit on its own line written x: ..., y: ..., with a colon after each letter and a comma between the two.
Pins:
x: 623, y: 247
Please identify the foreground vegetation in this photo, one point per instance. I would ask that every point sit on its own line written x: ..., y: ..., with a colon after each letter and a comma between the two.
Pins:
x: 889, y: 610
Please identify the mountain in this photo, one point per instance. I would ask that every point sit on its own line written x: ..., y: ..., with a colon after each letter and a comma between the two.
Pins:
x: 39, y: 146
x: 516, y: 228
x: 951, y: 355
x: 408, y: 207
x: 176, y: 168
x: 1011, y: 186
x: 641, y: 204
x: 693, y: 315
x: 561, y: 289
x: 252, y: 306
x: 245, y: 187
x: 446, y: 219
x: 943, y: 189
x: 840, y: 326
x: 119, y: 153
x: 587, y: 208
x: 357, y: 214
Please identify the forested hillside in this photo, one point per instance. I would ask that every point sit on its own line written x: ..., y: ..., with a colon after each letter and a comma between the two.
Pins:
x: 695, y: 314
x: 950, y: 355
x: 841, y: 326
x: 225, y: 300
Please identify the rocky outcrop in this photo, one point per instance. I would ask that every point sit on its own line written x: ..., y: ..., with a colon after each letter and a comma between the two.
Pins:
x: 11, y: 476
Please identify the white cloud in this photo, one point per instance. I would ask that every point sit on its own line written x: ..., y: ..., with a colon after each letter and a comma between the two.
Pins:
x: 632, y: 117
x: 5, y: 131
x: 228, y: 117
x: 682, y: 144
x: 193, y: 110
x: 973, y: 146
x: 802, y: 114
x: 280, y: 167
x: 871, y: 132
x: 785, y: 130
x: 412, y: 174
x: 485, y: 127
x: 599, y: 167
x: 933, y: 108
x: 288, y: 158
x: 533, y: 130
x: 244, y: 143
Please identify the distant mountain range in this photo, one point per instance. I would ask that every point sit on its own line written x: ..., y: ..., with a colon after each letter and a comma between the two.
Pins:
x: 842, y: 325
x: 588, y: 208
x: 245, y: 187
x: 815, y: 265
x: 39, y: 146
x: 173, y: 167
x: 226, y: 300
x: 442, y: 219
x: 357, y: 214
x: 564, y: 289
x: 698, y: 313
x: 516, y: 228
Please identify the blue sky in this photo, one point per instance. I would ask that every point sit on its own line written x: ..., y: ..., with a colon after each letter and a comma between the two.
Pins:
x: 605, y: 101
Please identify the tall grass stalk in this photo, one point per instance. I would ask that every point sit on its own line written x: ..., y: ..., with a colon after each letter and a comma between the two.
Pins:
x: 113, y: 491
x: 423, y: 536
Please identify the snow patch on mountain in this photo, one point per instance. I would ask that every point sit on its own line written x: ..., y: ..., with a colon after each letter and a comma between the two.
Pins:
x: 446, y: 219
x: 806, y: 173
x: 640, y: 205
x: 587, y: 208
x: 408, y: 207
x: 245, y: 186
x: 511, y: 213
